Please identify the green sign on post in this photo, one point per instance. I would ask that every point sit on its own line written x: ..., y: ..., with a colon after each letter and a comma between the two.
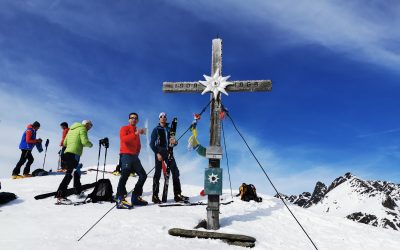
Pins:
x: 213, y: 181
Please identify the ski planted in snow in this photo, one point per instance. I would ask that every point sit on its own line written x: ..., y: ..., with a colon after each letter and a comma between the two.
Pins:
x: 169, y: 159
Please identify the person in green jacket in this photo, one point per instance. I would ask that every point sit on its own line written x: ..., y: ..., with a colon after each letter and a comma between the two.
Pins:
x: 74, y: 142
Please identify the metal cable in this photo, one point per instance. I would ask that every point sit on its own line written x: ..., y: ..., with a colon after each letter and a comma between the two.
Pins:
x: 227, y: 160
x: 251, y: 151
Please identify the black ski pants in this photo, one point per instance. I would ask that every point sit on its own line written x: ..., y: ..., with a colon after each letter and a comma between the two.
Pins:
x: 174, y: 171
x: 71, y: 162
x: 129, y: 164
x: 25, y: 155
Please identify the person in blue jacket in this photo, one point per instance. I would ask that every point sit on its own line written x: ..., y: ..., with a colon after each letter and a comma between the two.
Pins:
x: 28, y: 142
x: 159, y: 144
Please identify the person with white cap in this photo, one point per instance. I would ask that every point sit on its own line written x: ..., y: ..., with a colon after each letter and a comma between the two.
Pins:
x: 159, y: 144
x: 74, y: 142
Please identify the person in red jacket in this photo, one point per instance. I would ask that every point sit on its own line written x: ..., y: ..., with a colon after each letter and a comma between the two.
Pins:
x: 129, y: 153
x: 65, y: 129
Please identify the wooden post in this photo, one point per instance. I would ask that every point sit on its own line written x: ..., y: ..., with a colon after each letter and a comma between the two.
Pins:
x: 215, y: 134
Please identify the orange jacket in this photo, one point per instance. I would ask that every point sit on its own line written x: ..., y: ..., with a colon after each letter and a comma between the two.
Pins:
x: 65, y: 131
x: 129, y: 141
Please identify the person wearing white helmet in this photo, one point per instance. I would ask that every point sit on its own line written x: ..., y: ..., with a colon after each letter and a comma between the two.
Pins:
x: 74, y: 142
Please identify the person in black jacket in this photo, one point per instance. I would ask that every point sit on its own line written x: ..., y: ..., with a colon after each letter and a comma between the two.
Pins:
x: 159, y: 145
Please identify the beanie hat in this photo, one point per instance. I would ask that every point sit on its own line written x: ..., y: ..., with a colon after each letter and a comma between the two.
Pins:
x: 64, y: 124
x: 84, y: 122
x: 162, y: 114
x: 36, y: 124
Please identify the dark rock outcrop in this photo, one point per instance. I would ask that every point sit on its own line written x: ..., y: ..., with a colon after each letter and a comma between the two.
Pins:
x: 389, y: 203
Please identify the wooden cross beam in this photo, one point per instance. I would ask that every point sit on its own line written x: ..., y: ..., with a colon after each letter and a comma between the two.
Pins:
x: 215, y: 109
x: 238, y: 86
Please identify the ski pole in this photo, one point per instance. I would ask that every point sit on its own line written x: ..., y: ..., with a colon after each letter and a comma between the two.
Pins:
x: 59, y: 160
x: 45, y: 152
x: 98, y: 160
x: 105, y: 157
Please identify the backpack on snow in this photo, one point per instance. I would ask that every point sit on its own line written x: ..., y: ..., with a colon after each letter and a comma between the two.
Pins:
x: 247, y: 192
x: 6, y: 197
x: 40, y: 172
x: 103, y: 191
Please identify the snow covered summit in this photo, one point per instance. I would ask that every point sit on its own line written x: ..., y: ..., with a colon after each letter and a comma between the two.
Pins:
x: 369, y: 202
x: 27, y: 223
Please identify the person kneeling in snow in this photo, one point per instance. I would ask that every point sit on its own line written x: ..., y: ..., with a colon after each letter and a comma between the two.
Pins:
x: 74, y: 142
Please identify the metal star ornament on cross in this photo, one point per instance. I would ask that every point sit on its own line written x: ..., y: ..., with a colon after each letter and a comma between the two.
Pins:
x: 215, y: 84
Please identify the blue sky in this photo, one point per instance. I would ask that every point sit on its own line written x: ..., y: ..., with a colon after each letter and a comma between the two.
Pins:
x: 334, y: 67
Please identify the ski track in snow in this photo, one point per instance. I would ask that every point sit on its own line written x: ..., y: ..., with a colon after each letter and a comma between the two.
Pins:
x: 27, y: 223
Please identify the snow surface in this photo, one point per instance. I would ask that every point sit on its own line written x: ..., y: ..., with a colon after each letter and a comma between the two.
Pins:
x: 27, y: 223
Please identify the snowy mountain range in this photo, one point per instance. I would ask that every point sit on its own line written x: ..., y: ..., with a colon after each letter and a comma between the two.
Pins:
x: 369, y: 202
x: 26, y: 223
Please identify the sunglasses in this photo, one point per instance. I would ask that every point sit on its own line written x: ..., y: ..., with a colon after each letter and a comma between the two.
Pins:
x: 134, y: 118
x: 163, y: 116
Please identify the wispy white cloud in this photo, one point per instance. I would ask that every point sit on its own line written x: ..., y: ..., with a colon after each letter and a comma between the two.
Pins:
x: 359, y: 30
x: 29, y: 97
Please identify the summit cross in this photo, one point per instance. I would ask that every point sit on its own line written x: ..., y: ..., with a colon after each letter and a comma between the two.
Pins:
x: 216, y: 84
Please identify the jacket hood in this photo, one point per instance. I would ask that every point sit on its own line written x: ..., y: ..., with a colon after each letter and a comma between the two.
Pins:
x: 29, y: 126
x: 76, y: 125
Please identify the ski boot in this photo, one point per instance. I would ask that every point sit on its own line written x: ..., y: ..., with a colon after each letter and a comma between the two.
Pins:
x: 138, y: 201
x: 123, y: 204
x: 17, y: 176
x: 181, y: 198
x: 155, y: 199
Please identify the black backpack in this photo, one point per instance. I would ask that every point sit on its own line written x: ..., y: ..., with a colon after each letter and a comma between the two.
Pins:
x: 103, y: 191
x: 40, y: 172
x: 247, y: 192
x: 6, y: 197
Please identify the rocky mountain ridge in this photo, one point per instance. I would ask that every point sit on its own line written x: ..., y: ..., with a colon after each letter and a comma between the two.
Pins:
x: 370, y: 202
